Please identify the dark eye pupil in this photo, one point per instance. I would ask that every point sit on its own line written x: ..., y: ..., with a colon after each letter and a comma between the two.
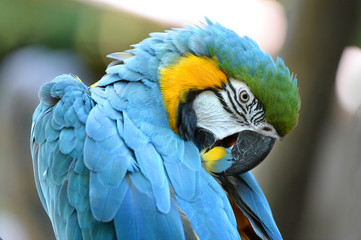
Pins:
x: 244, y: 96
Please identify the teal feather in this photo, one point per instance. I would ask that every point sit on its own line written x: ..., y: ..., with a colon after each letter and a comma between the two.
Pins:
x: 58, y: 116
x: 78, y: 190
x: 80, y: 167
x: 72, y: 118
x: 64, y: 209
x: 45, y: 96
x: 99, y: 127
x: 133, y: 137
x: 98, y: 96
x: 114, y: 173
x: 80, y: 110
x: 60, y: 170
x: 95, y: 158
x: 120, y: 72
x: 51, y: 133
x: 40, y: 128
x: 108, y: 79
x: 66, y: 140
x: 116, y: 102
x: 43, y: 162
x: 72, y: 230
x: 107, y: 107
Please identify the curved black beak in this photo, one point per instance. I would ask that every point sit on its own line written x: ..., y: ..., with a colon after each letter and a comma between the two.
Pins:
x: 250, y: 149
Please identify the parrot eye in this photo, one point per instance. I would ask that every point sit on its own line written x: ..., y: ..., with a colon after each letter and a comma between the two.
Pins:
x: 244, y: 96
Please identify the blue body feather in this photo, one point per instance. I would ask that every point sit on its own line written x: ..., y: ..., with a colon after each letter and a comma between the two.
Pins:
x: 107, y: 165
x: 258, y: 210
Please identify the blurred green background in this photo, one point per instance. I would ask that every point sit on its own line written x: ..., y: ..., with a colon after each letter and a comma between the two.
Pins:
x: 312, y: 178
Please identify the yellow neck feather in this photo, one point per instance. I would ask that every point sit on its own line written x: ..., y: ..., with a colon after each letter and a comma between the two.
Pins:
x: 189, y: 73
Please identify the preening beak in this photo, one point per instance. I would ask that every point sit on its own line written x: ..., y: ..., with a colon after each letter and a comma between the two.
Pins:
x: 250, y: 149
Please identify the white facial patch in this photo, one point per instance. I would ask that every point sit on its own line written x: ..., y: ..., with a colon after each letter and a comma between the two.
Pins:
x: 212, y: 116
x: 231, y: 110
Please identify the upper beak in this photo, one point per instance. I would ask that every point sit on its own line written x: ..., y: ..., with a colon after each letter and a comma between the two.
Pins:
x: 250, y: 149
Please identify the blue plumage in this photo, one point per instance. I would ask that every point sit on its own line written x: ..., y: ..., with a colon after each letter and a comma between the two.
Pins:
x: 107, y: 165
x: 251, y: 195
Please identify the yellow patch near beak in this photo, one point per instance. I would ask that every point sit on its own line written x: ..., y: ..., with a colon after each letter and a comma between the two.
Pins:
x: 189, y: 73
x: 211, y: 157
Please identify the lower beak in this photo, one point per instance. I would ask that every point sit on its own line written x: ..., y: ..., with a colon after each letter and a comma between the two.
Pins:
x: 250, y: 149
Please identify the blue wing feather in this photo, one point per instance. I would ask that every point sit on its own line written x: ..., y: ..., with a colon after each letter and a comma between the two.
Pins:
x: 184, y: 182
x: 98, y: 189
x: 61, y: 177
x: 60, y: 170
x: 105, y: 200
x: 139, y: 217
x: 99, y: 127
x: 249, y: 197
x: 251, y: 194
x: 120, y: 72
x: 72, y: 230
x: 130, y: 221
x: 89, y: 158
x: 66, y: 140
x: 149, y: 162
x: 190, y: 153
x: 218, y: 208
x: 78, y: 191
x: 114, y: 100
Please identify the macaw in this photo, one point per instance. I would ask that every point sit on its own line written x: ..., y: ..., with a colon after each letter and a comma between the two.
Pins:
x: 162, y: 146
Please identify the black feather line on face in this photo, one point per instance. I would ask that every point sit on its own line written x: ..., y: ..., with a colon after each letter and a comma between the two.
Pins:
x: 221, y: 100
x: 186, y: 117
x: 187, y: 121
x: 235, y: 96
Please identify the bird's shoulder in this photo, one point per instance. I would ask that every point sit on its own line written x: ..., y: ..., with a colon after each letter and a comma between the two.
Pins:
x: 96, y: 165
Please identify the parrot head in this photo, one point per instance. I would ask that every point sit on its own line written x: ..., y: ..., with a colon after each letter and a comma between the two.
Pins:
x: 220, y: 91
x: 223, y: 91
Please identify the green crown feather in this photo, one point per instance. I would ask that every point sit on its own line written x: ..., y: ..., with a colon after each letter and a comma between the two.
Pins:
x: 270, y: 81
